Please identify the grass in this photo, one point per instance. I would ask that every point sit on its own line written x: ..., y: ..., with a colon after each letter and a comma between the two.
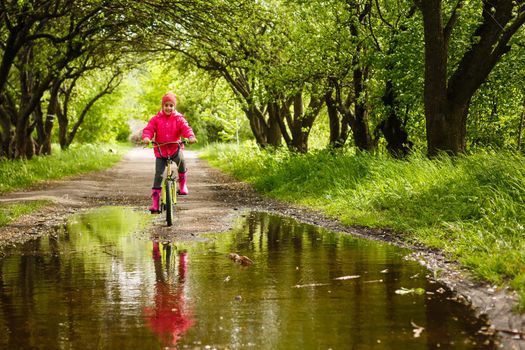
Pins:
x: 19, y: 174
x: 11, y: 212
x: 472, y: 207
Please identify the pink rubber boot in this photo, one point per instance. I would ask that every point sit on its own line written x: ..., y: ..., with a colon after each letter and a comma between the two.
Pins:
x: 155, y: 201
x: 183, y: 189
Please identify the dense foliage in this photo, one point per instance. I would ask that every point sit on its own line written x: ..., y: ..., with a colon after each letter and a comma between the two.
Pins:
x: 435, y: 75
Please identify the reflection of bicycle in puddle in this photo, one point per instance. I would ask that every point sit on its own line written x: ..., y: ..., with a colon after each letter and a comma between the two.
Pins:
x: 169, y: 317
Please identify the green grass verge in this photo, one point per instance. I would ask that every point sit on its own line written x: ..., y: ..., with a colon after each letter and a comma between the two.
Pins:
x: 471, y: 207
x: 10, y: 212
x: 19, y: 174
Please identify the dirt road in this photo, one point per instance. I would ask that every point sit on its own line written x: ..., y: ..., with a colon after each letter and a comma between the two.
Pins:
x: 128, y: 183
x: 214, y: 202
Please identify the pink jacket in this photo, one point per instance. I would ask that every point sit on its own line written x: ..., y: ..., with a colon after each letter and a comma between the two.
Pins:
x: 162, y: 128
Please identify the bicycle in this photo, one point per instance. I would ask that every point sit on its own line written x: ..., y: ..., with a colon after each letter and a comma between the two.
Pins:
x: 168, y: 197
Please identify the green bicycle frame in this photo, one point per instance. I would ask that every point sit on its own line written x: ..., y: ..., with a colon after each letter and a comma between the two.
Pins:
x: 173, y: 192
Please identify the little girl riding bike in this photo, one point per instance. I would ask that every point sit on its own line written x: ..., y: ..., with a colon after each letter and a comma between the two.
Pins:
x: 167, y: 126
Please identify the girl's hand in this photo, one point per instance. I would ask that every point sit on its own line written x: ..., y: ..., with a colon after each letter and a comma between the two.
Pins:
x: 146, y: 141
x: 192, y: 139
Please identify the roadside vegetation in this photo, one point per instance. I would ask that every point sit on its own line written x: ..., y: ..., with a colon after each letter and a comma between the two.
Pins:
x: 471, y: 207
x: 17, y: 174
x: 11, y: 212
x: 22, y: 173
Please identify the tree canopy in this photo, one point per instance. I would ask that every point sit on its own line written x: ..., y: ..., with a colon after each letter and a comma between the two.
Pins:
x: 434, y: 75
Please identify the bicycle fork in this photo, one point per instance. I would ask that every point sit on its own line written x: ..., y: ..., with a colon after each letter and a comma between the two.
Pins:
x: 173, y: 187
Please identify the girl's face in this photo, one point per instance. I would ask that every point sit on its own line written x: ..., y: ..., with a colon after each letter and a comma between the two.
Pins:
x: 168, y: 107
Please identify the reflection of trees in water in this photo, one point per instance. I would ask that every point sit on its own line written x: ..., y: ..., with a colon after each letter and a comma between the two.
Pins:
x: 287, y: 253
x: 105, y: 226
x: 56, y: 292
x: 169, y: 317
x: 57, y: 283
x: 19, y: 306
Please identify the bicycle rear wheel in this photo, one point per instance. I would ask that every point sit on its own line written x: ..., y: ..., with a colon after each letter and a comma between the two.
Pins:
x: 169, y: 203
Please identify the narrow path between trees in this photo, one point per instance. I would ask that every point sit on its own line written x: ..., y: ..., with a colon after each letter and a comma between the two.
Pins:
x: 128, y: 183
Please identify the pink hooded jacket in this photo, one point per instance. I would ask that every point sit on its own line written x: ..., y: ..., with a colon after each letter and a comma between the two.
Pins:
x: 167, y: 128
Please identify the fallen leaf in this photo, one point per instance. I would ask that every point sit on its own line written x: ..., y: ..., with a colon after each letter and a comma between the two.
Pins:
x: 310, y: 285
x: 417, y: 329
x: 404, y: 291
x: 241, y: 259
x: 342, y: 278
x: 373, y: 281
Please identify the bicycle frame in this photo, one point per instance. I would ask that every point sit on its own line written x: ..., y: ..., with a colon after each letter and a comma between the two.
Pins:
x: 169, y: 183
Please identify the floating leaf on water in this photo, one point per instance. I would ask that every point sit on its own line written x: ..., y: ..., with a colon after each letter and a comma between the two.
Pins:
x: 241, y: 259
x: 342, y: 278
x: 384, y: 271
x: 417, y: 330
x: 310, y: 285
x: 403, y: 291
x: 373, y: 281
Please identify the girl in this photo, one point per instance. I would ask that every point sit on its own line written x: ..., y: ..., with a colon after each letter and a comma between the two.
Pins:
x: 167, y: 126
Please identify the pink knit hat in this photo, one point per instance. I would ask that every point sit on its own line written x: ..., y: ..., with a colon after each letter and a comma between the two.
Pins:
x: 170, y: 96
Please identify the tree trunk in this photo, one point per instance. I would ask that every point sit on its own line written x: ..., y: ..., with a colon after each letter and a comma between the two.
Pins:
x: 62, y: 131
x: 63, y: 125
x: 5, y: 134
x: 273, y: 132
x: 52, y: 110
x: 300, y: 128
x: 13, y: 45
x: 338, y: 126
x: 437, y: 124
x: 392, y: 128
x: 266, y: 132
x: 362, y: 138
x: 448, y: 133
x: 447, y: 102
x: 258, y: 129
x: 39, y: 126
x: 296, y: 127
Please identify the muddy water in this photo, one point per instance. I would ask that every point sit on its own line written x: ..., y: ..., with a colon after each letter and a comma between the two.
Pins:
x: 99, y: 283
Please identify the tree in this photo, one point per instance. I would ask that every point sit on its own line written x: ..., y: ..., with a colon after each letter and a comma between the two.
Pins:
x: 46, y: 47
x: 394, y: 63
x: 66, y: 136
x: 447, y: 97
x: 24, y: 22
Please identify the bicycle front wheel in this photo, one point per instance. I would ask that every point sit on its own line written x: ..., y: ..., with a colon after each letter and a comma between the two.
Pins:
x: 169, y: 203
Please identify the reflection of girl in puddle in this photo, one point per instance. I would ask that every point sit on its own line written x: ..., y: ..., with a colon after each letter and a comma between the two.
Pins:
x: 169, y: 317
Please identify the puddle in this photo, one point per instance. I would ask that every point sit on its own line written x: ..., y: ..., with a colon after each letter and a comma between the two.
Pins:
x: 101, y: 284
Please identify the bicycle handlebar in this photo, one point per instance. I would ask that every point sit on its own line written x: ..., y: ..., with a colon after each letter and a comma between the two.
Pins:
x: 154, y: 144
x: 180, y: 142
